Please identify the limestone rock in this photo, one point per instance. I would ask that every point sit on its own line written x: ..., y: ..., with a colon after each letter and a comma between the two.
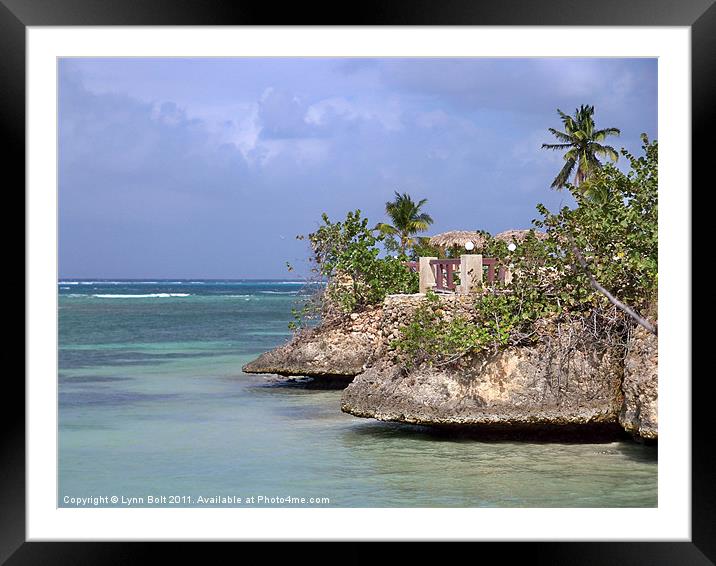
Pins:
x: 328, y: 350
x: 543, y: 384
x: 553, y: 382
x: 639, y: 413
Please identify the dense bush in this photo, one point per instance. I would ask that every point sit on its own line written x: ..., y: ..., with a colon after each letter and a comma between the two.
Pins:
x: 433, y: 337
x: 345, y: 254
x: 614, y: 227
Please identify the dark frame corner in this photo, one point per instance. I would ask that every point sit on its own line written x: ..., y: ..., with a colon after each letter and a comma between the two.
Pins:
x: 16, y: 15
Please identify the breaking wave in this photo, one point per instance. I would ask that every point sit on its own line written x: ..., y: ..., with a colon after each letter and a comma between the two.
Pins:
x: 147, y: 296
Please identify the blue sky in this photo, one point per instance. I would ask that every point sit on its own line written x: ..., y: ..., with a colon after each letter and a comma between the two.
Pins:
x: 211, y: 167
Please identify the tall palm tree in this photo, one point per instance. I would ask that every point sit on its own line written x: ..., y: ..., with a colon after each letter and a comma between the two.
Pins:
x: 407, y: 219
x: 581, y: 140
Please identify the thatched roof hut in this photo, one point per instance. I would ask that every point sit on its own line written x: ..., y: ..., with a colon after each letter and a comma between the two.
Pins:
x: 516, y: 236
x: 458, y: 238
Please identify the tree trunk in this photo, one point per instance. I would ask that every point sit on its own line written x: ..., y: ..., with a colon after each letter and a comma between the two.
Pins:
x: 612, y: 299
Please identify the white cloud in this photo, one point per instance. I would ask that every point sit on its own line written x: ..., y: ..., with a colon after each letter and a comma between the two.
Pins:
x: 319, y: 114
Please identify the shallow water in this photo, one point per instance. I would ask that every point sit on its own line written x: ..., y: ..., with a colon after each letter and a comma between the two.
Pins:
x: 152, y: 402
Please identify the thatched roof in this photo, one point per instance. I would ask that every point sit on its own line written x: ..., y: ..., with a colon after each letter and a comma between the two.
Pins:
x: 517, y: 236
x: 457, y: 238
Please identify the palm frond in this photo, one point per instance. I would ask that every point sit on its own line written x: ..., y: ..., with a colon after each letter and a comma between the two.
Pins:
x: 556, y: 146
x: 418, y: 226
x: 561, y: 179
x: 601, y: 135
x: 561, y: 136
x: 386, y: 229
x: 606, y: 151
x: 424, y: 217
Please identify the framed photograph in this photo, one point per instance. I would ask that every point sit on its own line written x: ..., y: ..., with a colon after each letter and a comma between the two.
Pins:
x: 293, y: 278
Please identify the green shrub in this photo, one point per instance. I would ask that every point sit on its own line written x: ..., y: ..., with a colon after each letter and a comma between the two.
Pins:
x: 615, y: 228
x: 345, y: 254
x: 433, y: 337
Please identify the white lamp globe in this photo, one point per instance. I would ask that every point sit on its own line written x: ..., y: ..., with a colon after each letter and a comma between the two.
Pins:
x: 469, y: 245
x: 512, y: 247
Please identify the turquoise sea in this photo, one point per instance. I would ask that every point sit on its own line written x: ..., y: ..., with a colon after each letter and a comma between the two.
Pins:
x: 153, y: 404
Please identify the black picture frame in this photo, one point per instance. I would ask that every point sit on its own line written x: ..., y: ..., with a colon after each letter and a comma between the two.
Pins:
x: 17, y: 15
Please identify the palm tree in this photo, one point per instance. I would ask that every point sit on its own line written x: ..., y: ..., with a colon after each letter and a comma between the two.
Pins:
x: 581, y: 140
x: 406, y: 218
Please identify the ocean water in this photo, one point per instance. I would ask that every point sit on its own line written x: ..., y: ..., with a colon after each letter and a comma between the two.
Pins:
x: 154, y: 410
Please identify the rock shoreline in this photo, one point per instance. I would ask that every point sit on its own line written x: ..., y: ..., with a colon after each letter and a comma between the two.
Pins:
x: 342, y: 348
x: 549, y: 384
x: 639, y: 413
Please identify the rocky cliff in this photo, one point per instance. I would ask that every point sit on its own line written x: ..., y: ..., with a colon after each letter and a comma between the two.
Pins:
x: 639, y: 413
x: 563, y: 378
x: 345, y: 346
x: 341, y: 348
x: 551, y: 383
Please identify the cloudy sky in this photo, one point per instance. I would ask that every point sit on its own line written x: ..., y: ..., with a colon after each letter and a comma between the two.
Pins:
x: 211, y: 167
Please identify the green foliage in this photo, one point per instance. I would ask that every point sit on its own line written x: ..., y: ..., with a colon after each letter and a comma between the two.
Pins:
x: 422, y: 248
x: 430, y: 337
x: 391, y: 245
x: 304, y: 315
x: 614, y: 227
x: 494, y: 248
x: 346, y: 256
x: 437, y: 338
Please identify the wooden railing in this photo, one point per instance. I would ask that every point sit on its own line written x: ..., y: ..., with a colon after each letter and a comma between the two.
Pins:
x: 472, y: 271
x: 444, y: 270
x: 490, y: 263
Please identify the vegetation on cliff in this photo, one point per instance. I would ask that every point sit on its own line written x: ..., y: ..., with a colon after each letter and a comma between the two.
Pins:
x: 346, y: 254
x: 598, y: 262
